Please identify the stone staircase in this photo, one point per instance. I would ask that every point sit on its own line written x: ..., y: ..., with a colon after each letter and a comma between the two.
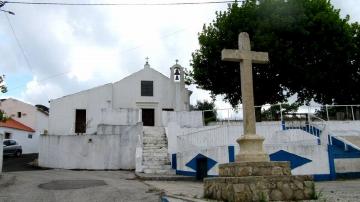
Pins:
x: 155, y: 158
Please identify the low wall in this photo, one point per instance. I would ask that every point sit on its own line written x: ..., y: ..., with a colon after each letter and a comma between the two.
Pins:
x: 1, y: 152
x: 309, y: 159
x: 98, y: 152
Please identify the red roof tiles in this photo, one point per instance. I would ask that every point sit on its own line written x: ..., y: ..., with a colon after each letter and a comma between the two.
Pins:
x: 11, y: 123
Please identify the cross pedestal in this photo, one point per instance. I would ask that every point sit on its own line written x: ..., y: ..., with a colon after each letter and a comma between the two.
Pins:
x: 253, y: 177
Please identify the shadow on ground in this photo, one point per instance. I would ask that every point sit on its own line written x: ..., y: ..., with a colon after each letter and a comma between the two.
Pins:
x: 11, y: 163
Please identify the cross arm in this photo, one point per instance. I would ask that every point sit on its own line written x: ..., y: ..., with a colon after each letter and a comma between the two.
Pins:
x: 239, y: 55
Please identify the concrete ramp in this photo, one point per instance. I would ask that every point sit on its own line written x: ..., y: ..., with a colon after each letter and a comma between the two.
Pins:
x: 355, y: 140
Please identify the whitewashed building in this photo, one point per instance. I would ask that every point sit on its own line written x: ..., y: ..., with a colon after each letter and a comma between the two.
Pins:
x: 102, y: 128
x: 25, y: 125
x: 147, y: 90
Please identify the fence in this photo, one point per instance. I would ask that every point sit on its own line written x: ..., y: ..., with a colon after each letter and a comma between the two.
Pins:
x: 224, y: 135
x: 281, y: 112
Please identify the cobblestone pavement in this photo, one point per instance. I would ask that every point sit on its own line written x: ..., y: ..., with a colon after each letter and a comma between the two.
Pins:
x: 92, y: 186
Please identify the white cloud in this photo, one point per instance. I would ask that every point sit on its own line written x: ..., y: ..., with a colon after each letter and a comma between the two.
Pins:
x: 87, y: 62
x: 37, y: 92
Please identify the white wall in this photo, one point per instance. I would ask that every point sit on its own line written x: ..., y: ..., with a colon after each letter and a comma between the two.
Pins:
x: 185, y: 119
x: 120, y: 116
x: 103, y: 151
x: 213, y: 141
x: 1, y: 152
x: 316, y: 153
x: 28, y: 145
x: 12, y: 106
x: 62, y: 110
x: 348, y: 165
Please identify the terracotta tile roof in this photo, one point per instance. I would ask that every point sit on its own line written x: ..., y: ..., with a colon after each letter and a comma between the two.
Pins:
x: 11, y: 123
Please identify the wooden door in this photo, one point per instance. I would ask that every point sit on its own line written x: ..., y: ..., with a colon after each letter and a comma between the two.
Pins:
x: 148, y: 117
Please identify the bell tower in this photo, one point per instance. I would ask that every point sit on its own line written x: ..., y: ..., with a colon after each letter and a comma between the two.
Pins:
x: 177, y: 76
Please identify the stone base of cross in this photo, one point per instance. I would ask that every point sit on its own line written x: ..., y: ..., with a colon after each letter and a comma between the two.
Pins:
x: 251, y: 149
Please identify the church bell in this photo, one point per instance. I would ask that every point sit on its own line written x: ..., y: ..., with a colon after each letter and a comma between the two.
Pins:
x: 177, y: 74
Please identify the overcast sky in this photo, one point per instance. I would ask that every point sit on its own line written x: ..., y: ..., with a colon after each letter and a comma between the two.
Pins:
x: 71, y: 48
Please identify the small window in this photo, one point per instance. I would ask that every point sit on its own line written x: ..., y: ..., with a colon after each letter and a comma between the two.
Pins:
x: 7, y: 135
x: 30, y: 136
x: 147, y: 88
x: 19, y: 114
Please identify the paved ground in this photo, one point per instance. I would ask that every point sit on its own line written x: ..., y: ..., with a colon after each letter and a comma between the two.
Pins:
x: 11, y: 163
x: 108, y: 186
x: 335, y: 191
x: 346, y: 190
x: 66, y: 185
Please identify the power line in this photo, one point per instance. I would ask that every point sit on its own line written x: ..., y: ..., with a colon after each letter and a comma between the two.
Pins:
x: 18, y: 43
x: 118, y: 4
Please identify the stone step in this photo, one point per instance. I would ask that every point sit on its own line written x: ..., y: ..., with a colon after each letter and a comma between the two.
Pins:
x: 154, y: 145
x: 154, y: 151
x: 158, y: 163
x: 153, y: 138
x: 155, y: 154
x: 155, y: 159
x: 165, y: 171
x: 154, y: 130
x: 160, y: 167
x: 154, y: 148
x: 146, y: 140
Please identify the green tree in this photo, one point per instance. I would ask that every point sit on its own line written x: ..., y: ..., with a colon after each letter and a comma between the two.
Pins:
x: 208, y: 108
x: 3, y: 88
x: 312, y: 51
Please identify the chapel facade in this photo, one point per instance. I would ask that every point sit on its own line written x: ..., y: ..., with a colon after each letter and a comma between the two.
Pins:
x: 145, y: 94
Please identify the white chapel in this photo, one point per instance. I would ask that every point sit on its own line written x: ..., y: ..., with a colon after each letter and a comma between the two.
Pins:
x: 143, y: 95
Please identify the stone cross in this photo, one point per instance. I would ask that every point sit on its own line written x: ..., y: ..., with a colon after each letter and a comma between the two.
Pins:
x: 251, y: 144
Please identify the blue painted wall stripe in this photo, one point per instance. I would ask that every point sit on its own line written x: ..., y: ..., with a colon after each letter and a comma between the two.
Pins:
x: 185, y: 173
x: 322, y: 177
x: 231, y: 150
x: 331, y: 163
